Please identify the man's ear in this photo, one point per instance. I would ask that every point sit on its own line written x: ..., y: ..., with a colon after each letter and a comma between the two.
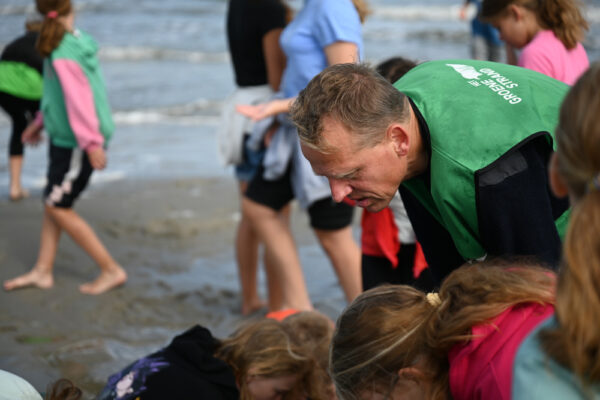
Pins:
x: 557, y: 183
x: 398, y: 137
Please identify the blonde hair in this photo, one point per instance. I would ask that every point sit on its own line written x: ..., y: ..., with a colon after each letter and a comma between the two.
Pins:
x: 269, y: 349
x: 52, y: 30
x: 392, y: 327
x: 362, y: 8
x: 563, y: 17
x: 576, y: 342
x: 314, y: 330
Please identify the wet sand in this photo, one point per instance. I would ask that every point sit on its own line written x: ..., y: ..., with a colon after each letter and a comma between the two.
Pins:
x: 173, y: 237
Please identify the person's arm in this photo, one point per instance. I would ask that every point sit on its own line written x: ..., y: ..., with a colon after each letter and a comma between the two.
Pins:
x: 341, y: 53
x: 81, y: 110
x: 515, y: 208
x: 32, y: 134
x: 274, y: 57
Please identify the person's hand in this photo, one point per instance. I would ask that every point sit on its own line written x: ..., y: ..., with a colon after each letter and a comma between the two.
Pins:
x: 32, y: 135
x: 264, y: 110
x: 254, y: 112
x: 97, y: 158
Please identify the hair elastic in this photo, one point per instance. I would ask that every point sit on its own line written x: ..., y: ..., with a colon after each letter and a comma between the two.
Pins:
x: 434, y: 299
x: 52, y: 14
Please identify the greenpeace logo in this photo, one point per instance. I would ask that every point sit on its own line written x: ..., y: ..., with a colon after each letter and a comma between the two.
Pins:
x: 497, y: 83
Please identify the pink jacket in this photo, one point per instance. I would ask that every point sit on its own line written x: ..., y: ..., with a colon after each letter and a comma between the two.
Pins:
x: 483, y: 367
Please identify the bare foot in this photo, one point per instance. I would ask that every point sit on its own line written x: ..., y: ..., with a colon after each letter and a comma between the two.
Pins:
x: 252, y: 306
x: 105, y: 281
x: 18, y: 194
x: 36, y: 278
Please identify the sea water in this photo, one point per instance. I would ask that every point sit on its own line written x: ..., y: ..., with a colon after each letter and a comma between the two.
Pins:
x: 167, y: 71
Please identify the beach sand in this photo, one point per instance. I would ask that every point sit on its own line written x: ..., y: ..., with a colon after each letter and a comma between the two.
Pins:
x: 174, y: 238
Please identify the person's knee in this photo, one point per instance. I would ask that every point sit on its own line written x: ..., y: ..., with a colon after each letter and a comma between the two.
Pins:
x: 256, y: 212
x: 332, y: 240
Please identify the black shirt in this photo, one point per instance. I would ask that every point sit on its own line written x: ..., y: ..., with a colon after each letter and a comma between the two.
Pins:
x: 22, y: 50
x: 248, y: 21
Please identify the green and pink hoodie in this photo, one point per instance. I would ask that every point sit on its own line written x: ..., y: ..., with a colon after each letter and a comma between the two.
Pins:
x: 75, y: 107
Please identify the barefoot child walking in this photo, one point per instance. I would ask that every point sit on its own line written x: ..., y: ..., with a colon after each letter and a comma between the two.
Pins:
x: 76, y: 115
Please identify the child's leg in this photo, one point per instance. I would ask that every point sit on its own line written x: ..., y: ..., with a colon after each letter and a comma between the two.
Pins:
x: 16, y: 190
x: 331, y: 223
x: 111, y: 273
x: 276, y: 298
x: 246, y: 246
x: 41, y: 274
x: 280, y: 245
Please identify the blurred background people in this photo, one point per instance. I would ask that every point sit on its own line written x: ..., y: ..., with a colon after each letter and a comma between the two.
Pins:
x: 322, y: 33
x: 253, y: 31
x: 548, y: 33
x: 20, y: 94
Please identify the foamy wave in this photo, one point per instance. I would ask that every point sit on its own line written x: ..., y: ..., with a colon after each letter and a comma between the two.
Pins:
x: 17, y: 9
x: 418, y: 12
x: 202, y: 112
x: 150, y: 53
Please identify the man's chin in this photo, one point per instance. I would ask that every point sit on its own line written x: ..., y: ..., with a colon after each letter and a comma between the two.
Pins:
x: 375, y: 206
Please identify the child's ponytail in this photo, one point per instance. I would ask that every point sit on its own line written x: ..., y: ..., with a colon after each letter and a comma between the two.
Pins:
x: 564, y: 18
x: 52, y: 30
x: 576, y: 342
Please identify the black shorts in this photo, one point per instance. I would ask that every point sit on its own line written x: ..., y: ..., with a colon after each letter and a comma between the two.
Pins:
x: 69, y: 171
x: 324, y: 214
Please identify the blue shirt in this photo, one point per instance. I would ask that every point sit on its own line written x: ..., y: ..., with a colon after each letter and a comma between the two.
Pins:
x: 318, y: 24
x: 537, y: 376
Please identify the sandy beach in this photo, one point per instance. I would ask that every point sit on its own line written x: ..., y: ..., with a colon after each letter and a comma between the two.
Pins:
x: 174, y: 237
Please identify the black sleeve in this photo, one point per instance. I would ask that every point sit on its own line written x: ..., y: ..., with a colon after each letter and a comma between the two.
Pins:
x: 515, y: 206
x: 439, y: 249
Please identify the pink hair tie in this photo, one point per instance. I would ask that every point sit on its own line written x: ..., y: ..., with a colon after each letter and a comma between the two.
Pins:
x: 52, y: 14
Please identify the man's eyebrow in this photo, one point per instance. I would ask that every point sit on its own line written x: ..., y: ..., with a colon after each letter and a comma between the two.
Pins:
x: 345, y: 175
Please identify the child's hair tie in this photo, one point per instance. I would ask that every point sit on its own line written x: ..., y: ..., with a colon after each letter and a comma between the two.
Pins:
x: 52, y: 14
x: 594, y: 184
x: 433, y: 299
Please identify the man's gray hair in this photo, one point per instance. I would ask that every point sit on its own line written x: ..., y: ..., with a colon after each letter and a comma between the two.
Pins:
x: 354, y: 95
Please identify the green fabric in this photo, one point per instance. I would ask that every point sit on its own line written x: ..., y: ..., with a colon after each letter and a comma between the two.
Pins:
x: 81, y: 48
x: 476, y: 112
x: 20, y: 80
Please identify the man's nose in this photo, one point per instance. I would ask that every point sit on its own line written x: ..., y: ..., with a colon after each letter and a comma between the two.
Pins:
x: 339, y: 189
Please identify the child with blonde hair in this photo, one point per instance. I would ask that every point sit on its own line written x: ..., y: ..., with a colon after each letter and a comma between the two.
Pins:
x: 263, y: 360
x: 549, y: 34
x: 561, y: 360
x: 76, y: 115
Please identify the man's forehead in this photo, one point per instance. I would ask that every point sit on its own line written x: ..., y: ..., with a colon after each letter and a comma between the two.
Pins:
x: 336, y: 136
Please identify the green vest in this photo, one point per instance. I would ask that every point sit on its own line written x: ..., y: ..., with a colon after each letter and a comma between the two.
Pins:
x: 20, y: 80
x: 476, y: 112
x: 81, y: 48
